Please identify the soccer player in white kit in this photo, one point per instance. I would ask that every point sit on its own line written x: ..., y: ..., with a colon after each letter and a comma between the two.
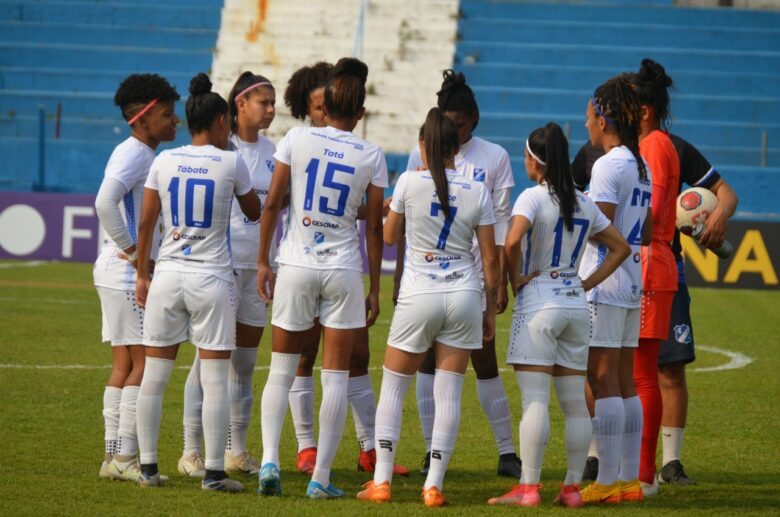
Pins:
x: 442, y: 212
x: 192, y: 296
x: 147, y: 103
x: 487, y: 163
x: 551, y: 223
x: 621, y: 187
x: 251, y: 105
x: 329, y: 171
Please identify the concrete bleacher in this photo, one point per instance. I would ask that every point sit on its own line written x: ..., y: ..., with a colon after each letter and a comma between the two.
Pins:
x: 74, y: 54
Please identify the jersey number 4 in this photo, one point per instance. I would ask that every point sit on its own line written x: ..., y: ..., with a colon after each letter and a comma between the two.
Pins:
x: 205, y: 198
x: 329, y: 182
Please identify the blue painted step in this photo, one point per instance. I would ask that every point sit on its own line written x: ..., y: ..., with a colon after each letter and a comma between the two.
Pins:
x: 79, y: 80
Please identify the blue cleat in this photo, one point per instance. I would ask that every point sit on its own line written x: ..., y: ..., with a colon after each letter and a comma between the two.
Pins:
x: 317, y: 491
x: 270, y: 480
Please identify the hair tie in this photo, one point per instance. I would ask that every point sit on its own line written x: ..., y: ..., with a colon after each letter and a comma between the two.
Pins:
x: 596, y: 107
x: 533, y: 155
x: 143, y: 110
x: 252, y: 87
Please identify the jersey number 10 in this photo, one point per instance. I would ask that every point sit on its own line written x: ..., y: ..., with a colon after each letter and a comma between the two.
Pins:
x: 207, y: 191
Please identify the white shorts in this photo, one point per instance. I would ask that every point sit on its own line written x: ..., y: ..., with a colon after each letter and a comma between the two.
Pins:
x: 252, y: 310
x: 190, y: 306
x: 123, y: 320
x: 300, y: 292
x: 550, y: 337
x: 613, y: 327
x: 451, y: 318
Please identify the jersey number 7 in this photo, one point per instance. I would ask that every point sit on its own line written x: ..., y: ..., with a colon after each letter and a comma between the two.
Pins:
x: 448, y: 219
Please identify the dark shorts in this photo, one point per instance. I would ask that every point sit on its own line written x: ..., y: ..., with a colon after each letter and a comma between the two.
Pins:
x: 679, y: 345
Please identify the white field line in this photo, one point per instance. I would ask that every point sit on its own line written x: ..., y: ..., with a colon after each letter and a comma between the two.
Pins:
x: 737, y: 360
x: 39, y: 301
x: 14, y: 265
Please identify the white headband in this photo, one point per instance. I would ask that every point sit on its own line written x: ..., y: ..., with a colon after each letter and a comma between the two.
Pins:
x: 528, y: 147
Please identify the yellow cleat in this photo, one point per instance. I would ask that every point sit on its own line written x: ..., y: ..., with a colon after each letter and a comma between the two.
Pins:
x: 631, y: 491
x: 596, y: 493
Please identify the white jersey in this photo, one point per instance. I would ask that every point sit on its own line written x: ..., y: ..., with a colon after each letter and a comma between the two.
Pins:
x: 330, y: 173
x: 487, y: 163
x: 245, y: 234
x: 615, y: 180
x: 196, y: 185
x: 438, y: 255
x: 551, y: 249
x: 129, y: 164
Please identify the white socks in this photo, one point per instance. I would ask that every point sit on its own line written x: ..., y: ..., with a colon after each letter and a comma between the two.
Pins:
x: 301, y: 399
x: 447, y: 389
x: 570, y: 390
x: 157, y: 372
x: 242, y: 368
x: 333, y: 416
x: 216, y: 410
x: 193, y: 407
x: 389, y: 413
x: 128, y: 438
x: 593, y: 450
x: 632, y: 439
x: 426, y: 407
x: 273, y: 405
x: 360, y: 394
x: 111, y: 400
x: 494, y: 403
x: 672, y: 440
x: 535, y: 425
x: 608, y: 427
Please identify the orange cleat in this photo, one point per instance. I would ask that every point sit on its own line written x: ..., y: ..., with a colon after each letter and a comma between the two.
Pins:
x: 307, y: 458
x: 631, y: 491
x: 569, y: 496
x: 376, y: 493
x: 367, y: 462
x: 596, y: 493
x: 433, y: 497
x: 520, y: 495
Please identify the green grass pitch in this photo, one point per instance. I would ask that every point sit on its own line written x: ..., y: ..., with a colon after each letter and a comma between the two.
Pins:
x: 51, y: 426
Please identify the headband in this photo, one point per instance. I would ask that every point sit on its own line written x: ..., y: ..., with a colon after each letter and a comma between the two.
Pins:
x: 528, y: 148
x: 252, y: 87
x: 144, y: 110
x: 596, y: 107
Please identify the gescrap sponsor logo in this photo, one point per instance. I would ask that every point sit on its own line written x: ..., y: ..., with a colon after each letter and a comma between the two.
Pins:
x: 178, y: 235
x: 308, y: 221
x: 430, y: 257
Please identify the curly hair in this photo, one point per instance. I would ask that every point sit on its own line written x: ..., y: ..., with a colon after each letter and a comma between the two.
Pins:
x: 304, y: 81
x: 456, y: 95
x: 137, y: 90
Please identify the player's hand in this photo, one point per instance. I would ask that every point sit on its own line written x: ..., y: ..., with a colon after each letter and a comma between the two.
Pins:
x: 395, y: 296
x: 386, y: 206
x: 523, y: 280
x: 502, y: 299
x: 123, y: 256
x: 265, y: 282
x: 141, y: 291
x: 372, y: 308
x: 488, y: 326
x: 714, y: 230
x: 152, y: 263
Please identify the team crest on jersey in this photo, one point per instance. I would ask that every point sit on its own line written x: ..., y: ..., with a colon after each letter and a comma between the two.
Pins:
x: 270, y: 164
x: 479, y: 174
x: 682, y: 334
x: 444, y: 265
x: 186, y: 249
x: 319, y: 237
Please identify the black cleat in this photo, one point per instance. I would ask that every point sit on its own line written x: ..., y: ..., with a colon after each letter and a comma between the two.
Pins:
x: 674, y: 474
x: 509, y: 466
x: 426, y: 464
x: 591, y: 470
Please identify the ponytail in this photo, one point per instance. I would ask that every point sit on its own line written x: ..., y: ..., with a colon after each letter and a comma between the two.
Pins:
x: 549, y: 147
x: 441, y: 142
x: 245, y: 83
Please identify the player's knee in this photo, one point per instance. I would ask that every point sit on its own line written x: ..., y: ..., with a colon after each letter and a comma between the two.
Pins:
x: 484, y: 362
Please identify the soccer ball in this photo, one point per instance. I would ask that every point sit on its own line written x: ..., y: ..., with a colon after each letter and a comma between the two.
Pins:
x: 693, y: 207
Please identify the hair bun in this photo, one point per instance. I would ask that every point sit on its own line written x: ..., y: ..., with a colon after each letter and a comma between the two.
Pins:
x: 200, y: 84
x: 352, y: 67
x: 452, y: 78
x: 651, y: 71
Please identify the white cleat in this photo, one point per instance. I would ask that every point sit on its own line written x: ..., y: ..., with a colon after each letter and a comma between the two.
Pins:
x: 242, y: 463
x: 650, y: 489
x: 222, y: 485
x: 192, y: 465
x: 124, y: 468
x: 104, y: 467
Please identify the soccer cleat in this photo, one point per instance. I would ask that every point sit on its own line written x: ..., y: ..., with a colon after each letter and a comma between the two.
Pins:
x: 649, y: 489
x: 150, y: 481
x: 509, y: 466
x: 426, y: 464
x: 569, y: 496
x: 124, y: 468
x: 103, y: 474
x: 674, y: 474
x: 221, y: 485
x: 242, y: 463
x: 591, y: 471
x: 520, y: 495
x: 376, y: 493
x: 596, y: 493
x: 631, y: 491
x: 192, y: 465
x: 307, y: 458
x: 270, y: 480
x: 315, y: 490
x: 367, y: 463
x: 433, y: 497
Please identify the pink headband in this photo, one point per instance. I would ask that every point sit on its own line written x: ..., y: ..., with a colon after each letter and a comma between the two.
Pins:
x: 252, y: 87
x: 144, y: 110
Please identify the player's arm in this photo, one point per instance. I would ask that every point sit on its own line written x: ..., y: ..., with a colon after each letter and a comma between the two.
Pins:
x: 107, y: 207
x: 250, y: 205
x: 374, y: 199
x: 150, y: 211
x: 647, y: 233
x: 518, y: 228
x: 490, y: 267
x: 715, y: 227
x: 400, y: 254
x: 617, y: 251
x: 501, y: 210
x: 280, y: 183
